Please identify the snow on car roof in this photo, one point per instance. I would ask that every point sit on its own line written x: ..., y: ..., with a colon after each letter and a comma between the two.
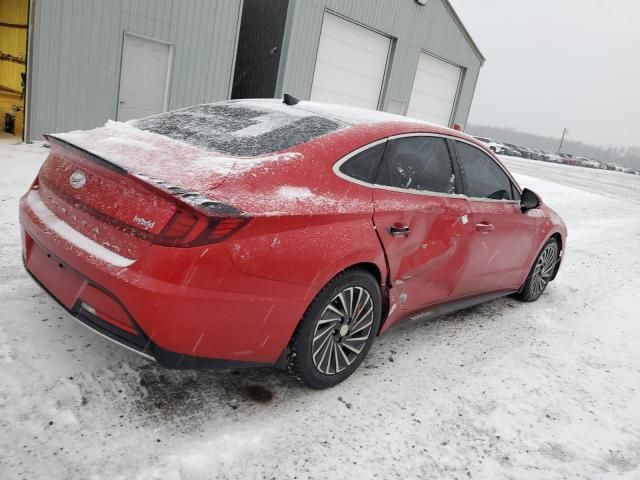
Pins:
x: 244, y: 129
x: 250, y: 128
x: 357, y: 116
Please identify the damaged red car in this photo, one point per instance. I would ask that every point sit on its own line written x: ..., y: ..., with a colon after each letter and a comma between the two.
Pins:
x: 257, y: 232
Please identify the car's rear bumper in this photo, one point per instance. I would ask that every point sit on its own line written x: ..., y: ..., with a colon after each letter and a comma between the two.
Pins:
x: 158, y: 312
x: 144, y: 347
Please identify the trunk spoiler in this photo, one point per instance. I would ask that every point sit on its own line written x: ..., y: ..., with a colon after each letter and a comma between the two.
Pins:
x: 99, y: 160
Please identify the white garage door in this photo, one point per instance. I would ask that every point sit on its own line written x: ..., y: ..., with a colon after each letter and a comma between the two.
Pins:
x: 435, y: 89
x: 143, y: 77
x: 351, y: 64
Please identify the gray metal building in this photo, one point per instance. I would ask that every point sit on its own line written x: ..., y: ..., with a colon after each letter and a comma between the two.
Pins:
x: 92, y: 61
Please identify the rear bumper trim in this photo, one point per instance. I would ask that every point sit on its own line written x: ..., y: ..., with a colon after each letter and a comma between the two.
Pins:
x: 134, y: 343
x: 118, y: 342
x: 102, y: 328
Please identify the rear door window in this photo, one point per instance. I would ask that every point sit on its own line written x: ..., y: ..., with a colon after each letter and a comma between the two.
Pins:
x: 482, y: 176
x: 418, y: 163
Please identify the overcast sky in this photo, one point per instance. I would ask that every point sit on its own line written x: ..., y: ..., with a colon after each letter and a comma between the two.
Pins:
x: 558, y: 63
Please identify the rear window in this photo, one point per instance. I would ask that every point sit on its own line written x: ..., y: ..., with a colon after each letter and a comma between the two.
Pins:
x: 237, y: 129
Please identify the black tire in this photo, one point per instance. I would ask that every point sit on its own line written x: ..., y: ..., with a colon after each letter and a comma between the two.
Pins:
x: 340, y: 337
x: 541, y: 272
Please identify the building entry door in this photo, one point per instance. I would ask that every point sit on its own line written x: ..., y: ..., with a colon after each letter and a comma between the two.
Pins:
x: 144, y: 78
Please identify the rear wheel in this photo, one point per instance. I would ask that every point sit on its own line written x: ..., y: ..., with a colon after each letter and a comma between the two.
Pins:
x: 541, y: 272
x: 337, y: 330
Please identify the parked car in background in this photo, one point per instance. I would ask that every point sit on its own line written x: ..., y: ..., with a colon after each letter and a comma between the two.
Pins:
x: 494, y: 146
x: 527, y: 152
x: 591, y: 163
x: 285, y: 235
x: 516, y: 148
x: 569, y: 159
x: 540, y: 154
x: 534, y: 154
x: 511, y: 152
x: 553, y: 157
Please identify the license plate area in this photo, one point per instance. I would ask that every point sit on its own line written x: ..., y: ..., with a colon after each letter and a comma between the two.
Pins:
x: 61, y: 281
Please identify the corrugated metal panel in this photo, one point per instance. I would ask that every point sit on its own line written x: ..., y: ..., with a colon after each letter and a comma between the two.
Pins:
x: 432, y: 28
x: 78, y: 47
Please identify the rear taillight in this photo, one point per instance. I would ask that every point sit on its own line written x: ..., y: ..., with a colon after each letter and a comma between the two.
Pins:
x: 191, y: 228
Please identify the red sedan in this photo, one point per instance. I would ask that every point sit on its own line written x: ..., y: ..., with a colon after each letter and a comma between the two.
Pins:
x: 256, y: 232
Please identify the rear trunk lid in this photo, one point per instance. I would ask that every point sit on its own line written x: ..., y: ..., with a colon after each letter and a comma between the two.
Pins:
x: 120, y: 186
x: 155, y: 156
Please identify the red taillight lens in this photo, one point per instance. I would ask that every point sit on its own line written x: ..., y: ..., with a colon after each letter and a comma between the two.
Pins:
x: 189, y: 228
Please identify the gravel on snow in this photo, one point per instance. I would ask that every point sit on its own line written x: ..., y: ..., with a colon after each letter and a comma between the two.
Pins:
x: 504, y: 390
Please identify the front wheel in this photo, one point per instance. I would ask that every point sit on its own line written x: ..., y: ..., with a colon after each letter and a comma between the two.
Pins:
x: 337, y: 330
x: 541, y: 272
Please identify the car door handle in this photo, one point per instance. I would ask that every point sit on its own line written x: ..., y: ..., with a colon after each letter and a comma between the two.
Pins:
x: 485, y: 227
x: 399, y: 230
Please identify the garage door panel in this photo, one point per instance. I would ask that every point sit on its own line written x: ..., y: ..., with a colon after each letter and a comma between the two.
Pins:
x: 327, y: 73
x: 430, y: 104
x: 350, y: 33
x: 438, y: 67
x: 435, y: 89
x: 350, y: 65
x: 341, y: 54
x: 367, y: 86
x: 432, y: 115
x: 321, y: 95
x: 427, y: 83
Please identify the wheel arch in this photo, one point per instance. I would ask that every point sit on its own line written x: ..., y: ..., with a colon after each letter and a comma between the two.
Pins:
x: 558, y: 237
x: 537, y: 248
x: 384, y: 290
x: 553, y: 234
x: 368, y: 263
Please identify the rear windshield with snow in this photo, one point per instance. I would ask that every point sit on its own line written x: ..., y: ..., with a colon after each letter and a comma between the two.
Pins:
x: 240, y: 129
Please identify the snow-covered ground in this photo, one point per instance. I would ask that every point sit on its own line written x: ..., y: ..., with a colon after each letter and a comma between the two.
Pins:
x: 505, y: 390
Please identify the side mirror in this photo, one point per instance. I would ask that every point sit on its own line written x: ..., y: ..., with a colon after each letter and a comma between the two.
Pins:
x: 529, y: 201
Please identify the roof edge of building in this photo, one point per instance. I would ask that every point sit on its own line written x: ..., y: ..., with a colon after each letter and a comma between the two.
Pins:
x: 464, y: 30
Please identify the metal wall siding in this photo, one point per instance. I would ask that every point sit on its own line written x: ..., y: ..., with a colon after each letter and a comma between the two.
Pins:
x: 77, y: 53
x: 431, y: 28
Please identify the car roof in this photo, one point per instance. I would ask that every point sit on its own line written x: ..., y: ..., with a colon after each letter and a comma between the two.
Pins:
x: 375, y: 122
x: 345, y: 114
x: 229, y: 127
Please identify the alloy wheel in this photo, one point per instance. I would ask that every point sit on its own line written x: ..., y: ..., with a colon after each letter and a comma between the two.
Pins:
x: 342, y: 330
x: 544, y: 269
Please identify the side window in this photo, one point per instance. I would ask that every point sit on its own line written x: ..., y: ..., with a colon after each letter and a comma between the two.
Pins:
x: 364, y: 165
x: 483, y: 177
x: 418, y: 163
